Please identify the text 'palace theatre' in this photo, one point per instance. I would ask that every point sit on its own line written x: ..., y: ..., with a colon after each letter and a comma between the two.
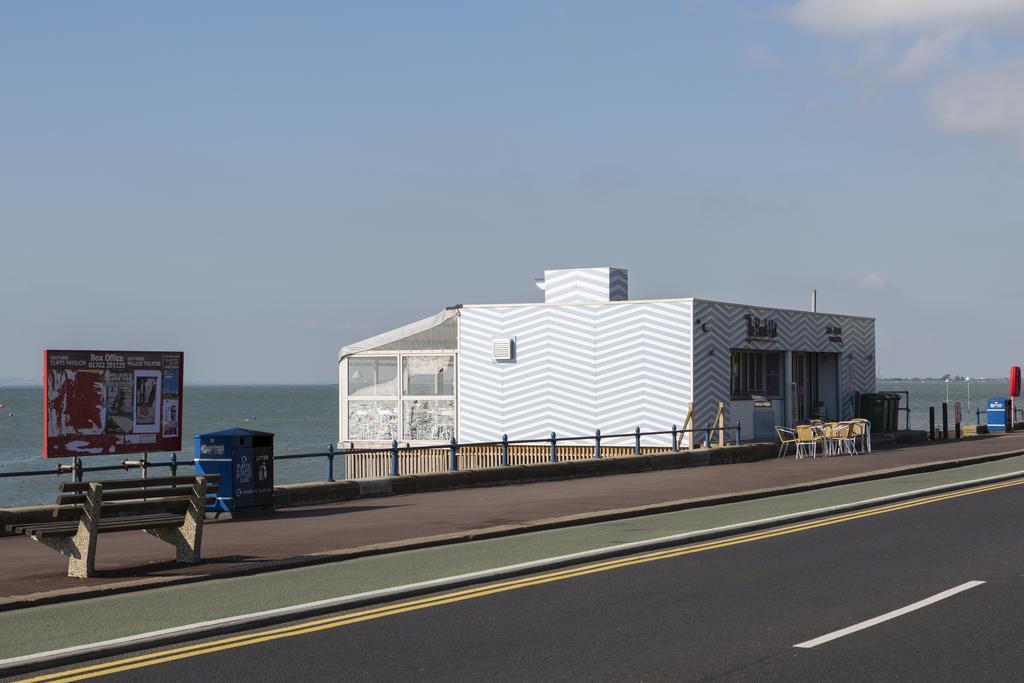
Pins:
x: 589, y: 358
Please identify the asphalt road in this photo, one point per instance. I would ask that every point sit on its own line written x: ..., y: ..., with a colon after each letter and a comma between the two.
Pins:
x: 733, y: 612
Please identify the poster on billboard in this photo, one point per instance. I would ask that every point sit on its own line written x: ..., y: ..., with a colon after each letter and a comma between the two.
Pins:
x: 111, y: 402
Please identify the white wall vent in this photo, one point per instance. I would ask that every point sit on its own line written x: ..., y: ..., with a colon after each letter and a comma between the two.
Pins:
x: 501, y: 349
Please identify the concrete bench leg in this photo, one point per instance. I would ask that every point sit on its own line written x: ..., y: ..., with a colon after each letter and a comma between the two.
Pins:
x: 187, y: 539
x: 80, y: 549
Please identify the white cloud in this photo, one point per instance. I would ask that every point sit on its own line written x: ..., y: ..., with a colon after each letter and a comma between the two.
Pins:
x: 863, y: 16
x: 872, y: 281
x: 943, y: 35
x: 927, y: 52
x: 983, y: 99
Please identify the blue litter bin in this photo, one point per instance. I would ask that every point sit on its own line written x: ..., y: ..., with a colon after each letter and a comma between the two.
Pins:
x: 244, y: 459
x: 998, y: 414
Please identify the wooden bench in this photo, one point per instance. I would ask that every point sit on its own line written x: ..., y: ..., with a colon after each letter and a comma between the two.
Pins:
x: 169, y: 508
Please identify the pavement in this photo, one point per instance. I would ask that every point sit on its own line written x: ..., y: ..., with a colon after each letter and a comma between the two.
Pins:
x: 33, y: 574
x: 735, y: 609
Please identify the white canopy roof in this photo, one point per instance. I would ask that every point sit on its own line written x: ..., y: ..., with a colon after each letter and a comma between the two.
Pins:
x: 434, y: 332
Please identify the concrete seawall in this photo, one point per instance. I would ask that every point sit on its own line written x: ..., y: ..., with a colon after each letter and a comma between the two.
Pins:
x: 316, y: 493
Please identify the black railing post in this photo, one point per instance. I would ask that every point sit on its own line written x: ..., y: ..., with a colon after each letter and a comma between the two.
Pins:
x: 977, y: 417
x: 78, y: 469
x: 504, y: 450
x: 597, y: 444
x: 394, y: 457
x: 945, y: 420
x: 707, y: 434
x: 675, y: 439
x: 738, y: 432
x: 330, y: 462
x: 174, y: 464
x: 554, y: 448
x: 931, y: 423
x: 453, y: 455
x: 636, y: 448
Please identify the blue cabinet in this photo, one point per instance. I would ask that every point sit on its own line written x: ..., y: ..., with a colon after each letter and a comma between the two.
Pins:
x: 244, y: 459
x: 998, y: 414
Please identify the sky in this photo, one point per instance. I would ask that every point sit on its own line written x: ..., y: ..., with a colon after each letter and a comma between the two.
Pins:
x: 260, y: 184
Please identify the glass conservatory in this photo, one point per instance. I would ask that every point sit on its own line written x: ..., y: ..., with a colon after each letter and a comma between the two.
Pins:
x: 400, y: 384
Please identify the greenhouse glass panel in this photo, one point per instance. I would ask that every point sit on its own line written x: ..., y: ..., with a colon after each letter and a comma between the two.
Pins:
x: 428, y: 376
x: 430, y: 420
x: 373, y: 376
x: 372, y: 420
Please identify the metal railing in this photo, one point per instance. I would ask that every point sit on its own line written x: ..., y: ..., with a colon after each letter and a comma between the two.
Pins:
x: 453, y: 456
x: 398, y: 459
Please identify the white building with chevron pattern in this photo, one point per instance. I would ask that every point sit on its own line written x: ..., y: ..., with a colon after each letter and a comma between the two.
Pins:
x: 588, y: 358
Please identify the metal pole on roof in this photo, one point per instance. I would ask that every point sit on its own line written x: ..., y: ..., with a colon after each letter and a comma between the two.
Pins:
x: 814, y: 301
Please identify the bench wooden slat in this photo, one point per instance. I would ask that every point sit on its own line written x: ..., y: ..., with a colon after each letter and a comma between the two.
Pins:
x: 115, y: 484
x: 122, y: 506
x: 175, y: 502
x: 104, y: 524
x: 108, y: 526
x: 131, y: 494
x: 177, y: 505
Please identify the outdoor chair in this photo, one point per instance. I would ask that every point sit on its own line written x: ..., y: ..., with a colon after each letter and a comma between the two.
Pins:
x: 827, y: 438
x: 786, y: 436
x: 842, y: 439
x: 860, y: 428
x: 808, y: 438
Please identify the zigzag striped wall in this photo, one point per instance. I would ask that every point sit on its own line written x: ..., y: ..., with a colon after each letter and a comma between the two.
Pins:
x: 797, y: 331
x: 585, y: 285
x: 577, y: 368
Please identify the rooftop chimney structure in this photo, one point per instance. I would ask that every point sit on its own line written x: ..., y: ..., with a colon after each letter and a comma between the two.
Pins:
x: 585, y: 285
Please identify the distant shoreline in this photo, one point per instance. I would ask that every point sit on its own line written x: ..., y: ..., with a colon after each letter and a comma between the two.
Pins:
x: 935, y: 380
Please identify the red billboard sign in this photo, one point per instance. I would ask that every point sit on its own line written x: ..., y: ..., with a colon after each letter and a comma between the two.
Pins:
x: 111, y: 402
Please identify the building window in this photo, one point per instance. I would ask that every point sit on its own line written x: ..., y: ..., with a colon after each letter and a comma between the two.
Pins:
x: 756, y: 373
x: 372, y: 401
x: 372, y: 420
x: 373, y: 376
x: 428, y: 376
x: 416, y: 405
x: 428, y: 404
x: 428, y: 420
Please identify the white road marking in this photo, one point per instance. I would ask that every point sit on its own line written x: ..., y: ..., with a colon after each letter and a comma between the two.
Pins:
x: 889, y: 615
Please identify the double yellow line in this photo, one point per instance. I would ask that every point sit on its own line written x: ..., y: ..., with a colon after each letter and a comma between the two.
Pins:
x: 337, y: 621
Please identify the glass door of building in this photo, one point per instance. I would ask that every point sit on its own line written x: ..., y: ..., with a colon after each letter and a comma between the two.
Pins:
x: 805, y: 385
